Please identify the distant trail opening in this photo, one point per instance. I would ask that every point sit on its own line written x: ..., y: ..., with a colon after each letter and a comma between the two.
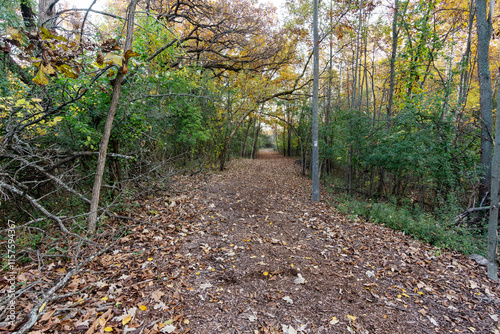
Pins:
x: 269, y: 153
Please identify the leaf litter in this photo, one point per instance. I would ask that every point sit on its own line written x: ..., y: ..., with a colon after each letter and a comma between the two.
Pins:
x: 233, y: 254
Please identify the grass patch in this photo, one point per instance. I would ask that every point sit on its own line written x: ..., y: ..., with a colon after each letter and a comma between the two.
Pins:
x: 437, y: 230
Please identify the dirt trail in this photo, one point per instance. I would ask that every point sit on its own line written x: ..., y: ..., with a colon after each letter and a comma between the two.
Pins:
x: 245, y: 251
x: 262, y: 235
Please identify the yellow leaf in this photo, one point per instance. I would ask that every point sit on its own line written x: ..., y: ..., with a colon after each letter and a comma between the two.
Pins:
x: 169, y: 321
x: 108, y: 329
x: 143, y: 308
x: 20, y: 102
x: 126, y: 319
x: 150, y: 259
x: 49, y: 69
x: 351, y: 317
x: 104, y: 299
x: 334, y: 321
x: 111, y: 58
x: 404, y: 294
x: 42, y: 307
x: 67, y: 71
x: 40, y: 78
x: 14, y: 33
x: 266, y: 273
x: 420, y: 293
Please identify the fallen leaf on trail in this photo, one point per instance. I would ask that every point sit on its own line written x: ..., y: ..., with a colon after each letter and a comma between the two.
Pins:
x: 299, y: 279
x: 252, y: 318
x: 126, y: 319
x: 82, y: 326
x: 42, y: 307
x: 433, y: 321
x: 143, y: 308
x: 370, y: 274
x: 131, y: 312
x: 108, y: 329
x: 206, y: 286
x: 351, y: 318
x: 160, y: 306
x: 489, y: 293
x: 156, y: 295
x: 47, y: 315
x: 288, y: 300
x: 473, y: 284
x: 494, y: 317
x: 334, y: 321
x: 265, y: 273
x: 288, y: 329
x: 168, y: 329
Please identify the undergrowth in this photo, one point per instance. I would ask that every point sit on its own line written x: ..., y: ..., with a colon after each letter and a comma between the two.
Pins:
x: 436, y: 229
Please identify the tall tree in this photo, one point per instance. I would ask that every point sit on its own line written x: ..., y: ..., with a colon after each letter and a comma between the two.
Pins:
x: 392, y: 78
x: 495, y: 183
x: 103, y: 146
x: 484, y: 28
x: 315, y: 148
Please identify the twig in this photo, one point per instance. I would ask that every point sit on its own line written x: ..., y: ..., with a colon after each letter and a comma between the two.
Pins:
x: 40, y: 307
x: 49, y: 215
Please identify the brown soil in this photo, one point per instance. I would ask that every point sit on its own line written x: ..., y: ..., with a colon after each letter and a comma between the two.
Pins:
x: 229, y: 255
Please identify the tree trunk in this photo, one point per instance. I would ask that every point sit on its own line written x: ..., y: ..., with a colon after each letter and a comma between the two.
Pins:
x: 244, y: 145
x: 463, y: 88
x: 289, y: 133
x: 103, y: 146
x: 483, y: 48
x: 356, y: 58
x: 46, y: 12
x: 395, y: 35
x: 315, y: 125
x: 255, y: 140
x: 493, y: 220
x: 29, y: 16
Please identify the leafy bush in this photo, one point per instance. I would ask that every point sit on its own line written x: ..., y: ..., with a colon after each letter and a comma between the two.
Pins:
x: 413, y: 221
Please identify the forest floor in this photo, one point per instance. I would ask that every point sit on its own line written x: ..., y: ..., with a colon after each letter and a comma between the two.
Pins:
x: 246, y: 251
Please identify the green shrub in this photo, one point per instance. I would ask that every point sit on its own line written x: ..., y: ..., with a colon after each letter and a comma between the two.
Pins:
x: 437, y: 230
